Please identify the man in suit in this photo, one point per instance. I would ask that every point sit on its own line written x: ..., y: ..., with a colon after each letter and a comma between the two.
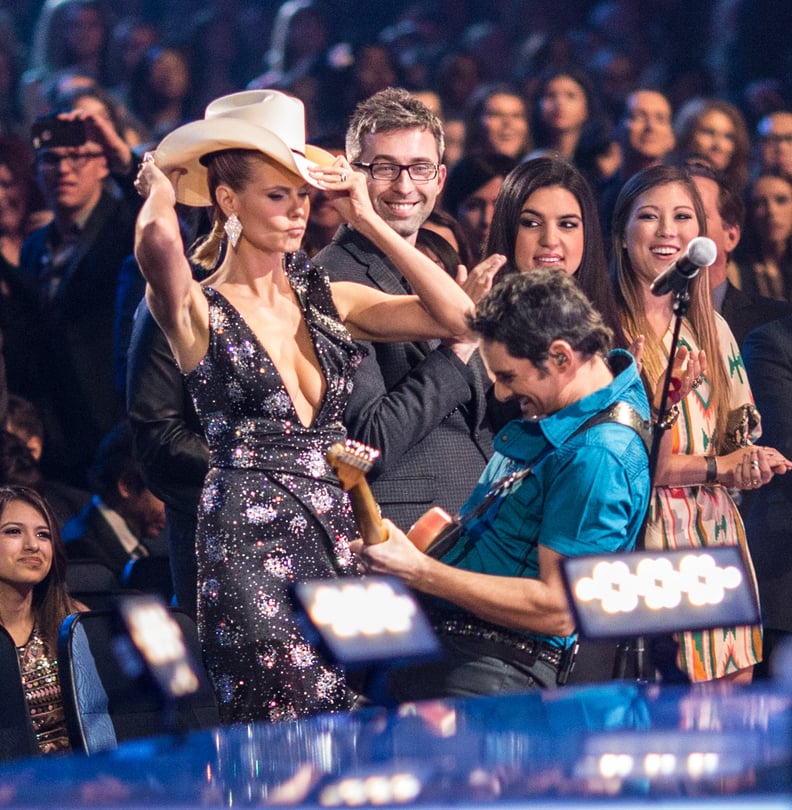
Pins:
x: 725, y: 211
x: 124, y: 519
x: 70, y: 268
x: 767, y: 353
x: 422, y: 405
x: 169, y: 444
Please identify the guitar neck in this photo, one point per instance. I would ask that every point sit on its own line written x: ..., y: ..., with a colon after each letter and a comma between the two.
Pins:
x: 350, y: 462
x: 367, y: 514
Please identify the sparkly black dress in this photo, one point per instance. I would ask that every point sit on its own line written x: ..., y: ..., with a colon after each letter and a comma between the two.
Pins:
x: 271, y: 512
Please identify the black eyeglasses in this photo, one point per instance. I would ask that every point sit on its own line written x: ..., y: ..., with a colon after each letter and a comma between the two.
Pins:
x: 75, y: 160
x: 777, y: 140
x: 419, y: 172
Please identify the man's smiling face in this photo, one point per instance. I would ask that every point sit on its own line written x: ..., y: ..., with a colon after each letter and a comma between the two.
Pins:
x: 404, y: 203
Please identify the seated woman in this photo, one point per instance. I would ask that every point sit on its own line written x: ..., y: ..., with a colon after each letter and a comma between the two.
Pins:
x: 33, y: 603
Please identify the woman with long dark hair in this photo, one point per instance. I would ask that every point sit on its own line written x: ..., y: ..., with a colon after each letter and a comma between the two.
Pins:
x: 546, y: 216
x: 34, y: 602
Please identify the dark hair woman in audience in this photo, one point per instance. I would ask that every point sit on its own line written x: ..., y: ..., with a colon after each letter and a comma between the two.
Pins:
x: 470, y: 193
x: 715, y: 130
x: 657, y: 213
x: 22, y: 205
x: 565, y: 104
x: 764, y: 254
x: 447, y: 226
x: 546, y: 216
x: 33, y: 603
x: 70, y: 37
x: 439, y: 250
x: 72, y: 34
x: 496, y: 120
x: 159, y: 90
x: 457, y: 77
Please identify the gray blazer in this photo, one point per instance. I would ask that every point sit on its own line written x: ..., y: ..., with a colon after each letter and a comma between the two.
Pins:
x: 417, y: 403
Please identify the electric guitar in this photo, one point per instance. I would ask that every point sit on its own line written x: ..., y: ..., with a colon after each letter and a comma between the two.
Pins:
x: 350, y: 462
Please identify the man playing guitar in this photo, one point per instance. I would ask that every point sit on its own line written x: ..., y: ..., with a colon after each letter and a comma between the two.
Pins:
x: 580, y: 485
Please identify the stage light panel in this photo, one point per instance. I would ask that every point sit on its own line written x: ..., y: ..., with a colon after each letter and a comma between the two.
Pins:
x: 361, y: 622
x: 651, y: 593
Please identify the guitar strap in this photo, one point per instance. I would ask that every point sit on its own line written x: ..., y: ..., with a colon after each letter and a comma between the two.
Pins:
x: 620, y: 412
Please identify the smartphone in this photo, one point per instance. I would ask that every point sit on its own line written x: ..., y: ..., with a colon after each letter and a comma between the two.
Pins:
x: 52, y: 131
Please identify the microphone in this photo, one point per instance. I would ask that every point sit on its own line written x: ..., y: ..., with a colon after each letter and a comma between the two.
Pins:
x: 700, y: 252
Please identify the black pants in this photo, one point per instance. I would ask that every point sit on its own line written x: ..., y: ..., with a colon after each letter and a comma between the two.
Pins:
x: 469, y: 667
x: 181, y: 529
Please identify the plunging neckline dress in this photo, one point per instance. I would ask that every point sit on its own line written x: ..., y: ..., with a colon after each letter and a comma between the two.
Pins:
x: 272, y: 512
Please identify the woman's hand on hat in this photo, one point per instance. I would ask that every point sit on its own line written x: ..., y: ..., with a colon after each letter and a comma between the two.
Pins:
x: 334, y: 177
x: 150, y: 177
x: 345, y: 188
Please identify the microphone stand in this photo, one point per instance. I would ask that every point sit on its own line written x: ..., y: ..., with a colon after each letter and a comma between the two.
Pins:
x: 644, y: 668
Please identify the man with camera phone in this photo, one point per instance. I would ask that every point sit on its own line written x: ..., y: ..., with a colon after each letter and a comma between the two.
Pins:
x: 68, y: 274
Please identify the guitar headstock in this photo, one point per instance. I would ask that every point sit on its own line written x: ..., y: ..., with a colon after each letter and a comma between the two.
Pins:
x: 351, y: 461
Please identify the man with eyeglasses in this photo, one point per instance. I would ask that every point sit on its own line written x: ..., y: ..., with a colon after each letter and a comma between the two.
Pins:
x: 70, y: 268
x: 421, y: 404
x: 645, y: 136
x: 774, y: 142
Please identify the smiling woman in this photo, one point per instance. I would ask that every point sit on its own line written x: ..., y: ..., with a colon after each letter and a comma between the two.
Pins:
x: 546, y: 216
x: 657, y: 213
x: 33, y: 603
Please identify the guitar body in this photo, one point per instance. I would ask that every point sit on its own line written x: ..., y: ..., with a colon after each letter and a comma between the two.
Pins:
x: 429, y: 527
x: 350, y: 462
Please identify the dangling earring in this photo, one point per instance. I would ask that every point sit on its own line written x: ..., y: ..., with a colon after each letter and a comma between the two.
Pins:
x: 233, y: 229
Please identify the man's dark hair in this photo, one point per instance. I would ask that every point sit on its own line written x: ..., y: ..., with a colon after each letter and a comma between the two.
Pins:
x: 526, y: 312
x: 24, y: 418
x: 731, y: 205
x: 470, y: 173
x: 115, y: 461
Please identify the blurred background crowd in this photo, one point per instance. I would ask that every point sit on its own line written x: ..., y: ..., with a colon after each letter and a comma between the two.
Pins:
x: 162, y: 62
x: 612, y: 86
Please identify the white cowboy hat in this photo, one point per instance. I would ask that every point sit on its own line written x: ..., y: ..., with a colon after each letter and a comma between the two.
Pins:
x: 265, y: 120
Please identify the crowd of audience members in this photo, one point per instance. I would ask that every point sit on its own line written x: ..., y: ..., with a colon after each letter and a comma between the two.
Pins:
x: 612, y: 87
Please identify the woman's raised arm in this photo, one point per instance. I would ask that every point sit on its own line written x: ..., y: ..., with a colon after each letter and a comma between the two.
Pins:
x: 171, y: 292
x: 439, y: 306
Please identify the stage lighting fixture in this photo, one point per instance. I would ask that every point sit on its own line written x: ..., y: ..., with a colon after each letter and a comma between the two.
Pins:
x: 363, y: 622
x: 652, y: 593
x: 159, y: 642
